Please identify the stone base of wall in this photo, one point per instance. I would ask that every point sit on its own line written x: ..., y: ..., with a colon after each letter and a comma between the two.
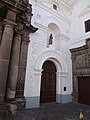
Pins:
x: 63, y: 98
x: 9, y: 108
x: 32, y: 102
x: 3, y: 112
x: 20, y: 103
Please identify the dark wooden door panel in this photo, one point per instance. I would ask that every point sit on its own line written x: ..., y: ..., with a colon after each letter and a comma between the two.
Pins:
x: 84, y: 90
x: 48, y: 84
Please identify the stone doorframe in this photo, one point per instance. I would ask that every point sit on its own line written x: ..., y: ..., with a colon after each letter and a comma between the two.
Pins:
x: 80, y: 65
x: 61, y: 75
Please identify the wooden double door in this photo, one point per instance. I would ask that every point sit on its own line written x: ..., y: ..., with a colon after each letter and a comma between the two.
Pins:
x: 84, y: 90
x: 48, y: 83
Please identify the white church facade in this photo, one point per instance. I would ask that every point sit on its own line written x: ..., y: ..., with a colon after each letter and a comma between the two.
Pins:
x: 49, y: 65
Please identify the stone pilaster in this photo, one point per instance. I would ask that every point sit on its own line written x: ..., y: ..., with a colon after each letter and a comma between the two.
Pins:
x: 5, y: 51
x: 0, y: 32
x: 13, y: 69
x: 13, y: 51
x: 22, y: 67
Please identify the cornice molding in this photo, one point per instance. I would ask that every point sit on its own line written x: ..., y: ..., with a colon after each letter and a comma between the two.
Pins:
x: 66, y: 4
x: 55, y: 13
x: 64, y: 37
x: 58, y: 2
x: 40, y: 26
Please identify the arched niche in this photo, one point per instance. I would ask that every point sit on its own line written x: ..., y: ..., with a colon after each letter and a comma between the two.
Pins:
x: 55, y: 31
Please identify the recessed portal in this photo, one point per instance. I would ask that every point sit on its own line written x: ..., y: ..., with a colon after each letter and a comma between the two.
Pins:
x: 48, y: 83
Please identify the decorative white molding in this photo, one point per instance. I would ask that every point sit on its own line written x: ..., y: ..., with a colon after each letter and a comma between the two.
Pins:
x: 42, y: 27
x: 72, y: 2
x: 64, y: 37
x: 62, y: 74
x: 54, y: 56
x: 85, y: 11
x: 58, y: 2
x: 53, y: 12
x: 38, y: 71
x: 66, y: 4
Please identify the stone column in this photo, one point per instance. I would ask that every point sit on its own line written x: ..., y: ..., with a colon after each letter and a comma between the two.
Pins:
x: 5, y: 51
x: 0, y: 32
x: 13, y: 69
x: 22, y: 67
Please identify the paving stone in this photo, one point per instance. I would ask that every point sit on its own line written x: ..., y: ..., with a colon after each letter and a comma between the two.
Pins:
x: 54, y: 111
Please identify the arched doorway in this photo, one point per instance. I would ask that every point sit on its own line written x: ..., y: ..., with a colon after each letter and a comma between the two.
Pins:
x: 48, y: 83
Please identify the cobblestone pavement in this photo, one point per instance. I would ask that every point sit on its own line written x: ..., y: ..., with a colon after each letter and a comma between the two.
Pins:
x: 54, y: 111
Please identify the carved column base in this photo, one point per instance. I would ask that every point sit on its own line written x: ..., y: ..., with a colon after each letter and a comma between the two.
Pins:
x: 20, y: 103
x: 3, y: 112
x: 10, y: 107
x: 15, y: 104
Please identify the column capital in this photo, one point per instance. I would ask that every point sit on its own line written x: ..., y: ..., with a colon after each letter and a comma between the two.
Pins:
x: 18, y: 31
x: 9, y: 23
x: 26, y: 39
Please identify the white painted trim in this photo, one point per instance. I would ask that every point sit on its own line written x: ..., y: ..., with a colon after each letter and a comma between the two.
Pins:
x: 55, y: 56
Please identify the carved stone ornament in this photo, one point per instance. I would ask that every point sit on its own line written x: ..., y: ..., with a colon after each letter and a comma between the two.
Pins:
x: 80, y: 65
x: 15, y: 27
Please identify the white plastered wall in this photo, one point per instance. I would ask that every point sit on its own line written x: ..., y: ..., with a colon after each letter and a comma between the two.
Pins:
x: 80, y: 14
x: 38, y: 53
